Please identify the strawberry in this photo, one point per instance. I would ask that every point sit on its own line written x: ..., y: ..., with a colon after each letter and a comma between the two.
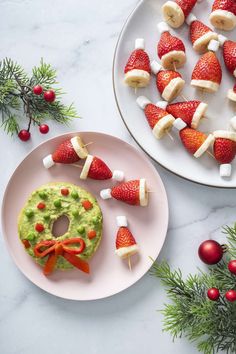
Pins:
x: 224, y: 150
x: 127, y: 192
x: 169, y: 43
x: 139, y: 60
x: 65, y: 153
x: 186, y: 6
x: 192, y: 139
x: 164, y: 77
x: 208, y: 68
x: 228, y: 5
x: 229, y: 53
x: 190, y: 112
x: 154, y: 114
x: 197, y: 30
x: 124, y: 238
x: 99, y: 170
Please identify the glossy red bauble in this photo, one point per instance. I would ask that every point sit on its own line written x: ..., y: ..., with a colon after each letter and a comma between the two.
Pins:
x: 210, y: 252
x: 49, y: 96
x: 232, y: 266
x: 44, y: 128
x: 37, y: 90
x: 213, y: 294
x: 231, y: 295
x: 24, y: 135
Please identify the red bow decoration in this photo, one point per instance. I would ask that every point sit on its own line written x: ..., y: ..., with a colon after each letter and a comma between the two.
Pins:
x: 54, y: 248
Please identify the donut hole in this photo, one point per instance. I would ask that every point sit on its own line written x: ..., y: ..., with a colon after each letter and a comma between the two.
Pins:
x: 60, y: 226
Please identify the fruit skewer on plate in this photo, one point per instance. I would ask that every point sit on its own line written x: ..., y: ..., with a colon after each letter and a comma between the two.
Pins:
x: 223, y: 14
x: 176, y: 12
x: 224, y: 150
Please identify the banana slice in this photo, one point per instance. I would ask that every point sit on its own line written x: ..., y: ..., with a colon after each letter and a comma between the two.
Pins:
x: 231, y: 95
x: 137, y: 78
x: 174, y: 59
x: 225, y: 134
x: 163, y: 126
x: 143, y: 193
x: 173, y: 14
x: 86, y: 167
x: 233, y: 122
x: 201, y: 44
x: 79, y: 147
x: 223, y: 20
x: 203, y: 148
x: 173, y: 89
x: 125, y: 252
x: 199, y: 113
x: 206, y: 85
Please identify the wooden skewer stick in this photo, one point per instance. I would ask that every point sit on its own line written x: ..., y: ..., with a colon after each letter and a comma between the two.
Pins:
x: 210, y: 154
x: 135, y: 90
x: 91, y: 142
x: 78, y: 166
x: 170, y: 136
x: 129, y: 263
x: 184, y: 98
x: 174, y: 65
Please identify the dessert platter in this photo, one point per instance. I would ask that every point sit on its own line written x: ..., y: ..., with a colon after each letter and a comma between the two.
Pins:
x: 84, y: 223
x: 174, y: 77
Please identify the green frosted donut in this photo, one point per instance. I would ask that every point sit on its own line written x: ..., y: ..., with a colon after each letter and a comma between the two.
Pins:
x: 49, y: 202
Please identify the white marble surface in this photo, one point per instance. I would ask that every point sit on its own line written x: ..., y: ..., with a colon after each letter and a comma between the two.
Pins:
x: 79, y: 37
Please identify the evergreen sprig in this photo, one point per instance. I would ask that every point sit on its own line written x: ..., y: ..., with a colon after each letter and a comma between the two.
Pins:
x: 211, y: 324
x: 17, y: 100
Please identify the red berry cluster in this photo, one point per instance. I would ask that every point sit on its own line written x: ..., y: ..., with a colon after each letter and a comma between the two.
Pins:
x: 49, y: 96
x: 211, y: 252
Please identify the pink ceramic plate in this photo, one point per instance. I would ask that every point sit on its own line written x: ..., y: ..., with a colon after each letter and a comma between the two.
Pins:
x: 109, y: 274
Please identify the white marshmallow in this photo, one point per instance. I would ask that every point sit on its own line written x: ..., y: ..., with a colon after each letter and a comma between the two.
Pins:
x: 222, y: 39
x: 225, y: 170
x: 179, y: 124
x: 162, y: 104
x: 191, y: 18
x: 105, y: 194
x: 156, y: 67
x: 139, y: 43
x: 121, y: 221
x: 118, y: 175
x: 213, y: 45
x: 48, y: 161
x: 163, y: 27
x: 143, y: 101
x: 233, y: 122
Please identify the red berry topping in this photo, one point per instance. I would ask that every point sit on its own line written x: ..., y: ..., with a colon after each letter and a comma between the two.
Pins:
x: 41, y: 206
x: 39, y: 227
x: 87, y: 204
x: 232, y: 266
x: 213, y: 294
x: 37, y: 90
x: 231, y: 295
x: 26, y: 243
x: 49, y: 96
x: 92, y: 234
x: 64, y: 191
x: 24, y: 135
x: 44, y: 128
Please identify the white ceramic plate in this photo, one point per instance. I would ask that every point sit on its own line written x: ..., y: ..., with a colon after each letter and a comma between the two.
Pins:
x: 171, y: 155
x: 109, y: 274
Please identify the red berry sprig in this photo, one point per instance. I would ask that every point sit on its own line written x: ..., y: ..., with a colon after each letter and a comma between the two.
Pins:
x: 232, y: 266
x: 230, y: 295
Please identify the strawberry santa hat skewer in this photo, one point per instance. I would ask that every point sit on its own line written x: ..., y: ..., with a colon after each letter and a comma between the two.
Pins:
x: 175, y: 12
x: 200, y: 34
x: 158, y: 119
x: 169, y: 83
x: 191, y: 112
x: 229, y: 53
x: 126, y: 245
x: 194, y: 141
x: 68, y: 152
x: 224, y: 150
x: 137, y: 70
x: 95, y: 168
x: 170, y: 49
x: 132, y: 192
x: 223, y: 14
x: 207, y: 74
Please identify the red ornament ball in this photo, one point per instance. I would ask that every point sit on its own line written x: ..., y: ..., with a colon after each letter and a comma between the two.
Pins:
x: 231, y: 295
x: 213, y: 294
x: 232, y: 266
x: 210, y: 252
x: 49, y: 96
x: 24, y: 135
x: 37, y: 90
x: 44, y: 128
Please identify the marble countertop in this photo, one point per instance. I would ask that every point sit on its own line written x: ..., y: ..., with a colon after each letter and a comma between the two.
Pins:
x: 79, y: 38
